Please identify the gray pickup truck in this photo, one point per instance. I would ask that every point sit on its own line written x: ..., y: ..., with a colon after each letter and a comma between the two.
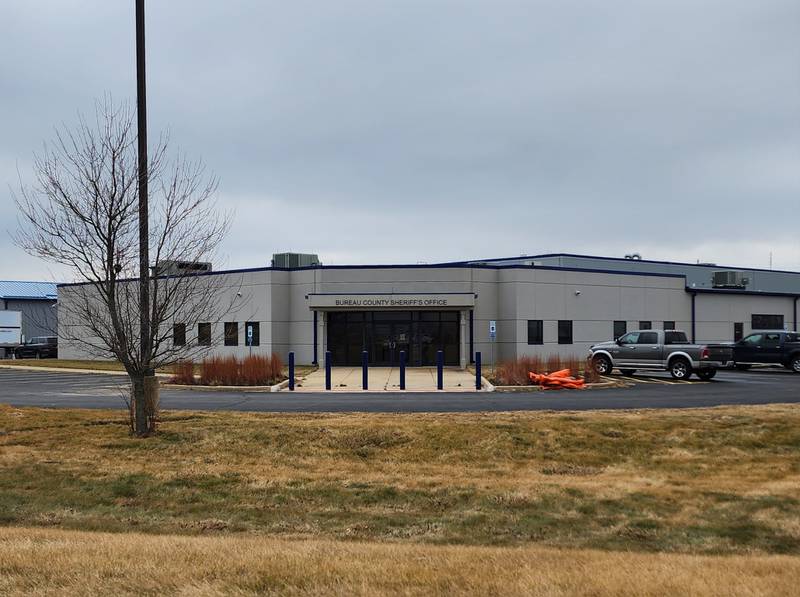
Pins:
x: 661, y: 350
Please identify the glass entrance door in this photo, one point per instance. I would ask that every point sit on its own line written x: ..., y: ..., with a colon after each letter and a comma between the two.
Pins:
x: 383, y: 334
x: 388, y: 339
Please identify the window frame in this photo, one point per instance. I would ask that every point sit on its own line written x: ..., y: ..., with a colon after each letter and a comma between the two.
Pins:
x: 621, y: 323
x: 176, y: 334
x: 230, y: 340
x: 766, y: 316
x: 537, y: 338
x: 669, y: 326
x: 567, y: 323
x: 646, y: 325
x: 204, y: 333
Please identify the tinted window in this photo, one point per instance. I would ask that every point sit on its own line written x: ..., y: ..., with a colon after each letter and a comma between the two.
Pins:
x: 620, y: 327
x: 632, y: 338
x: 535, y: 331
x: 772, y: 340
x: 231, y: 333
x: 564, y: 331
x: 675, y: 338
x: 738, y: 331
x: 669, y: 325
x: 645, y: 325
x: 648, y: 338
x: 204, y: 334
x: 753, y: 339
x: 767, y: 322
x: 179, y: 334
x: 252, y: 333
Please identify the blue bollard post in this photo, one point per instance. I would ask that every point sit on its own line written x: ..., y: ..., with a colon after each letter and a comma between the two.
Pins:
x: 327, y: 369
x: 364, y: 370
x: 439, y: 370
x: 402, y: 369
x: 477, y: 370
x: 291, y: 371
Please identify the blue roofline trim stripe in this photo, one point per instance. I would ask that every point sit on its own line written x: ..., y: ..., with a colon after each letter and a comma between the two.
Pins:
x: 462, y: 265
x: 742, y: 292
x: 680, y: 263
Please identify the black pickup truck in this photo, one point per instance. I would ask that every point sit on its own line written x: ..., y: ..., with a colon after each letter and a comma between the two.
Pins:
x: 769, y: 348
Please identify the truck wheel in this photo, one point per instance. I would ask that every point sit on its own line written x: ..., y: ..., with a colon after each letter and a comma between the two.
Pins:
x: 740, y: 367
x: 680, y: 369
x: 794, y: 363
x: 602, y: 364
x: 706, y: 374
x: 628, y: 372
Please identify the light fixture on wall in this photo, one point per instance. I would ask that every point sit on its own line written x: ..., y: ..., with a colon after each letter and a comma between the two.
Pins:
x: 577, y: 293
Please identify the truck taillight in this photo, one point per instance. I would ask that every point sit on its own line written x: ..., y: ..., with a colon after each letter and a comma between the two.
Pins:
x: 704, y: 354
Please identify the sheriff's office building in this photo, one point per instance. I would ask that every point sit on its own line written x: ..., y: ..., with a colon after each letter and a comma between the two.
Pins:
x: 542, y: 305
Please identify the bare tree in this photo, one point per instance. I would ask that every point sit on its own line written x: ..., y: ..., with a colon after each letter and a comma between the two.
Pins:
x: 82, y: 212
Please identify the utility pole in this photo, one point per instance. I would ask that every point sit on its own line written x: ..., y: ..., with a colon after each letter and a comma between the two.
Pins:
x: 145, y: 346
x: 144, y: 232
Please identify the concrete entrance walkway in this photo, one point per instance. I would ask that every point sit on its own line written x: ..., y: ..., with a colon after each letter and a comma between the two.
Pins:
x: 381, y: 379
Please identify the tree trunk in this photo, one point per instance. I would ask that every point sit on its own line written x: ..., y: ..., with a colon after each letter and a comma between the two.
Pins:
x: 144, y: 404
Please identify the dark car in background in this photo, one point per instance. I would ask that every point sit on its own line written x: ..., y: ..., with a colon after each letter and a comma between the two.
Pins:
x: 777, y: 347
x: 38, y: 347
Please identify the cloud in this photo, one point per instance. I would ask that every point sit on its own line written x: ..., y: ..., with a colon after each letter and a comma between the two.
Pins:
x: 425, y: 131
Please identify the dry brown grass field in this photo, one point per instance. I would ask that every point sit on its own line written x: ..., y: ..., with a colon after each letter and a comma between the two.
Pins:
x: 42, y: 562
x: 703, y: 501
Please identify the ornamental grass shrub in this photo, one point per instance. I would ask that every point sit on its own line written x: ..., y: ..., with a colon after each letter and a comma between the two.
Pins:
x: 183, y: 373
x: 253, y: 370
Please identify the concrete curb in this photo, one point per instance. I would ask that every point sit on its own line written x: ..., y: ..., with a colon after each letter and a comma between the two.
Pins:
x: 70, y: 370
x: 247, y: 389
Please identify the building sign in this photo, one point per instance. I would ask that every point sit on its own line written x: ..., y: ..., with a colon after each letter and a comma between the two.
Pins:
x: 390, y: 301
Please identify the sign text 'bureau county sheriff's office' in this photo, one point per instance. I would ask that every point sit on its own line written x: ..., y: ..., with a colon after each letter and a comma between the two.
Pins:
x: 391, y: 301
x: 381, y: 302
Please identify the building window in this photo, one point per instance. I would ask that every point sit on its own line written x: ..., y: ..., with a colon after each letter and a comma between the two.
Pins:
x: 738, y: 331
x: 204, y: 334
x: 535, y: 331
x: 231, y: 333
x: 179, y: 334
x: 620, y: 329
x: 252, y: 335
x: 767, y: 322
x: 669, y: 325
x: 564, y: 331
x: 645, y: 325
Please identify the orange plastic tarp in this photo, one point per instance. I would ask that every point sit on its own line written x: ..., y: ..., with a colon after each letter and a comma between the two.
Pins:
x: 556, y: 380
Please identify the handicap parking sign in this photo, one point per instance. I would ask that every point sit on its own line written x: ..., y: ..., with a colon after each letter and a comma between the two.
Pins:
x: 492, y: 329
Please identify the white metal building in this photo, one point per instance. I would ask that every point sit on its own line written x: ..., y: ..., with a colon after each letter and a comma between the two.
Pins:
x: 541, y: 304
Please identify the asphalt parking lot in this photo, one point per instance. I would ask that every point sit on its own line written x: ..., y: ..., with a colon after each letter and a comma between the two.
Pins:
x: 78, y: 390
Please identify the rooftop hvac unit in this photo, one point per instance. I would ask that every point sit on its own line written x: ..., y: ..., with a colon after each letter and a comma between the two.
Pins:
x: 293, y: 260
x: 729, y: 279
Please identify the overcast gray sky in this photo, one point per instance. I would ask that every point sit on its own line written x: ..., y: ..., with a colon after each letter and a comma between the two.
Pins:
x: 374, y: 131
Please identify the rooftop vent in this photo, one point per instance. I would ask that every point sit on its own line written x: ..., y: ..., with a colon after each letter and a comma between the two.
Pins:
x: 729, y: 279
x: 633, y: 256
